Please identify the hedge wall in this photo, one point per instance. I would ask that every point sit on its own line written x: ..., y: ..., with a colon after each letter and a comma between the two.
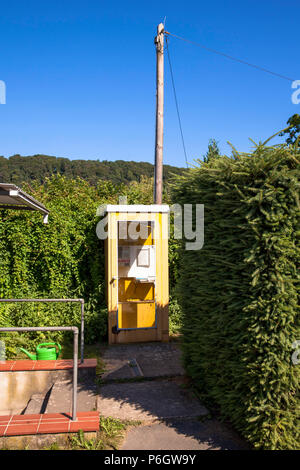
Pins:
x: 62, y: 259
x: 239, y: 293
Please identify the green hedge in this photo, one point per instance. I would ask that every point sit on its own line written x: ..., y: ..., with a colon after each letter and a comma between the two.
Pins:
x: 239, y: 293
x: 62, y: 259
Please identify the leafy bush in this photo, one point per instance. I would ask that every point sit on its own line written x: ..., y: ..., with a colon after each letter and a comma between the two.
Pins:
x: 239, y: 293
x: 63, y: 259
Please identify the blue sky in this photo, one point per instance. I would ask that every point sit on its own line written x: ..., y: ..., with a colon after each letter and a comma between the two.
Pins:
x: 80, y: 76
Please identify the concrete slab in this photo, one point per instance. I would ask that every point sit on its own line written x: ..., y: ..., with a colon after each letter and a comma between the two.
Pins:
x: 35, y: 404
x: 60, y: 399
x: 183, y: 435
x: 148, y: 401
x: 152, y: 359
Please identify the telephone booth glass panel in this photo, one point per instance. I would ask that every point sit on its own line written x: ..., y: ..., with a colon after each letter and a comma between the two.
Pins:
x: 136, y: 275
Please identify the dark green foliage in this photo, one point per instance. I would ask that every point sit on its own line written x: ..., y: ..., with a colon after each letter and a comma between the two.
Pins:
x: 239, y: 293
x: 212, y: 152
x: 293, y: 131
x: 18, y: 169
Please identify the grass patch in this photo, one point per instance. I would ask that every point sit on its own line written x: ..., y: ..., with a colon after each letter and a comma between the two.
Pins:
x: 109, y: 437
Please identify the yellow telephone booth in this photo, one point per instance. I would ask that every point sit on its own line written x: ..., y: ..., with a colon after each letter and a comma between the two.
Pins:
x: 137, y: 274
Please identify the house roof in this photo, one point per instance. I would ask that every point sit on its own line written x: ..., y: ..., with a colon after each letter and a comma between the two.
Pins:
x: 12, y: 197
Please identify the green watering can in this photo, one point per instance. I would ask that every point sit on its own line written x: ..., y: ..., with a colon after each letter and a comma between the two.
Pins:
x: 44, y: 352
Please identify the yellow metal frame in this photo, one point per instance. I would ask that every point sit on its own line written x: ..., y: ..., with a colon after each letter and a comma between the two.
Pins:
x: 160, y: 331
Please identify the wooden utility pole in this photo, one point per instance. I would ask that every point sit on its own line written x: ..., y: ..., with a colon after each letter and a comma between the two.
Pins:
x: 159, y: 133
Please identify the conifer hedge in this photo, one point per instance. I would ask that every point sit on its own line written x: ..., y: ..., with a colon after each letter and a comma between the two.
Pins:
x: 239, y: 292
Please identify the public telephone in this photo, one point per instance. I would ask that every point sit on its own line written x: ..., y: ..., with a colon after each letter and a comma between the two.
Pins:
x: 137, y: 275
x: 137, y: 261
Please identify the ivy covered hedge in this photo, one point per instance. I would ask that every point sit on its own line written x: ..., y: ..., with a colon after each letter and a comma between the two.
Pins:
x: 63, y: 259
x: 239, y: 293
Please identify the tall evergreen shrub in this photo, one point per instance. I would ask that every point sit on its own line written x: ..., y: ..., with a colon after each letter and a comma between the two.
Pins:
x: 239, y: 293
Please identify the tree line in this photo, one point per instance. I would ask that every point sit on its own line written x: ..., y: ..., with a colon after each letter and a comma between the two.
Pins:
x: 18, y: 169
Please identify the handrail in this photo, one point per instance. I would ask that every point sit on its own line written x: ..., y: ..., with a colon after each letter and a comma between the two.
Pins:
x: 60, y: 300
x: 75, y: 354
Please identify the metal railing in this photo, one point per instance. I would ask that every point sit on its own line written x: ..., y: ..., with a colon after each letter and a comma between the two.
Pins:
x: 75, y: 354
x: 60, y: 300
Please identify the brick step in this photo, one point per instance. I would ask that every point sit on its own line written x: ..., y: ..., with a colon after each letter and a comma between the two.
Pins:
x: 51, y: 423
x: 59, y: 364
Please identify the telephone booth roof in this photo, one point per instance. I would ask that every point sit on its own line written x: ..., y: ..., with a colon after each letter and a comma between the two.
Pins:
x: 151, y: 208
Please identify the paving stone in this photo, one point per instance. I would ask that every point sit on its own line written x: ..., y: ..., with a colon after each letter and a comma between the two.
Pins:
x: 35, y: 404
x: 152, y: 359
x: 60, y: 399
x: 148, y: 401
x: 183, y: 435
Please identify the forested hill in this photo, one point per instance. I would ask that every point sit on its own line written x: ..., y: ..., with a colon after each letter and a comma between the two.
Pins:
x: 18, y: 169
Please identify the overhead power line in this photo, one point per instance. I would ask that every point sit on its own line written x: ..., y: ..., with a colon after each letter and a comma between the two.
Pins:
x: 209, y: 49
x: 176, y: 102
